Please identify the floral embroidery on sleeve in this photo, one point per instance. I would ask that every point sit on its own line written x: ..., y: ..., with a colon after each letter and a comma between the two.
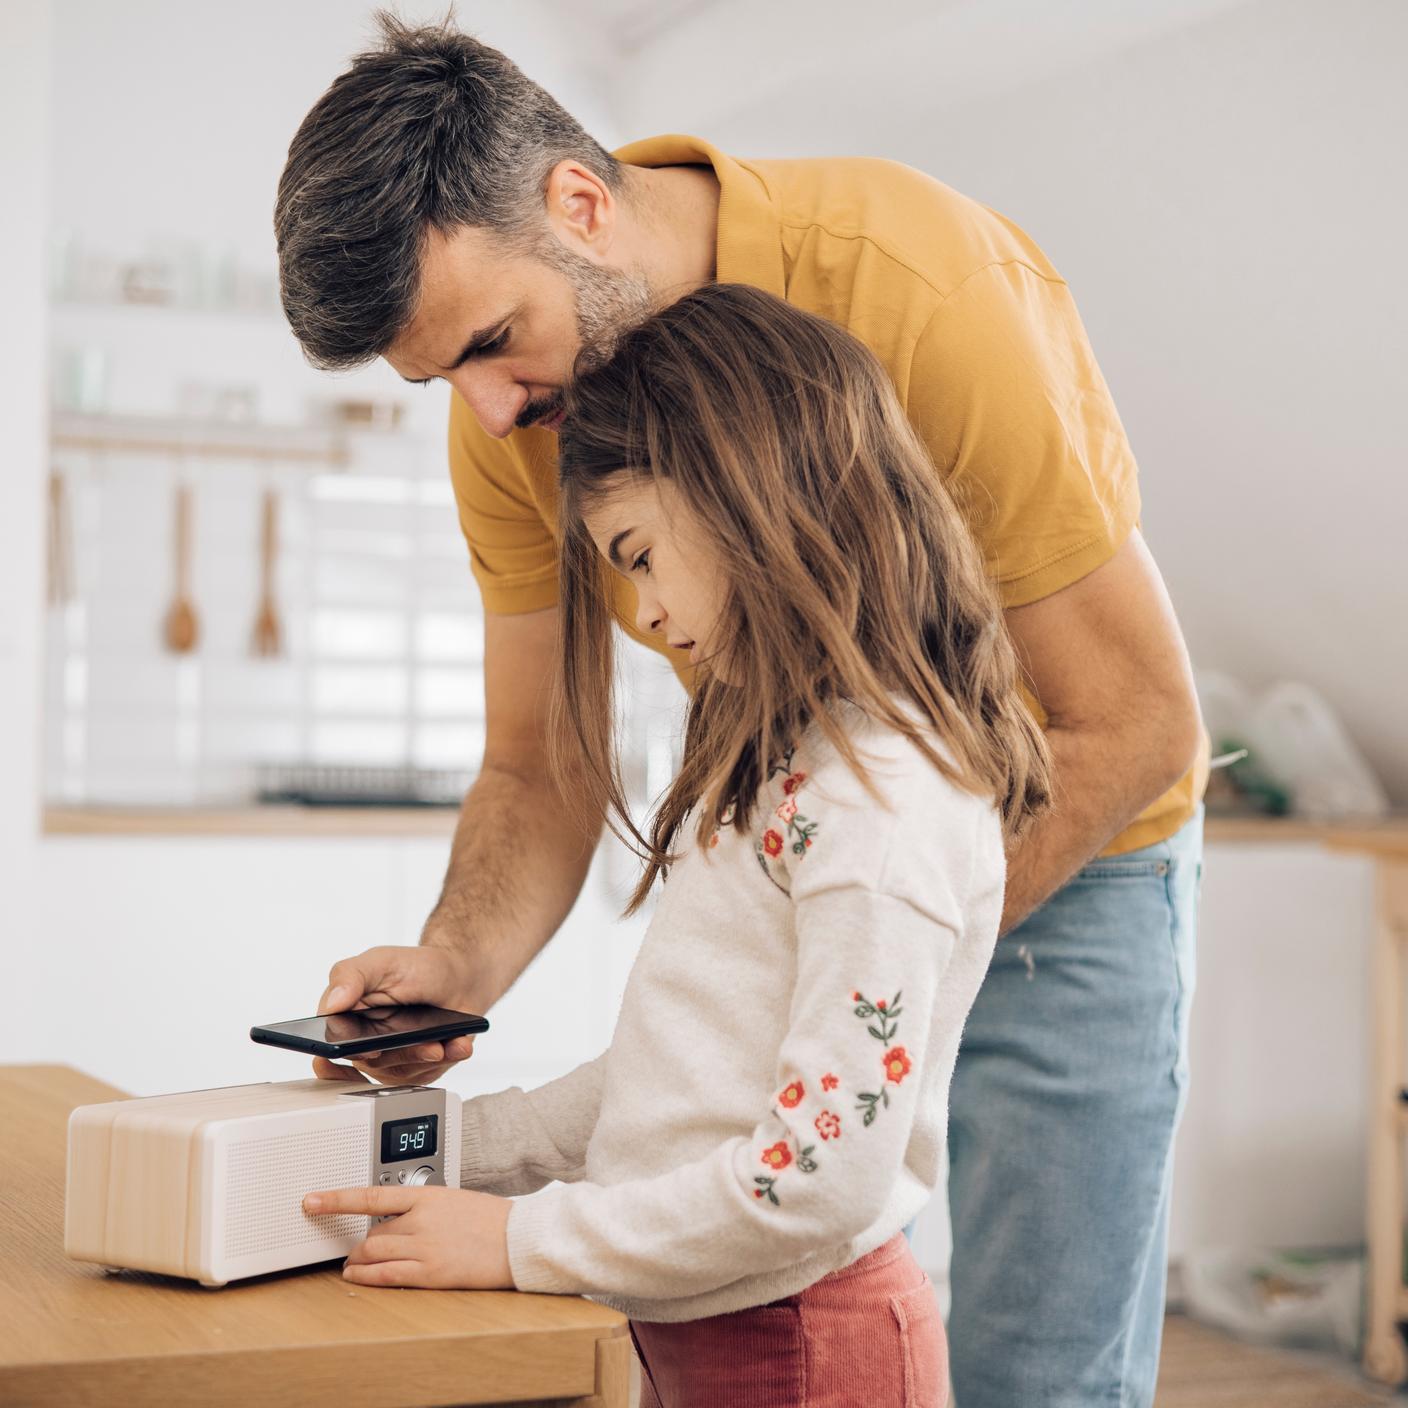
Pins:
x: 787, y: 827
x: 881, y: 1017
x: 777, y: 1157
x: 896, y: 1062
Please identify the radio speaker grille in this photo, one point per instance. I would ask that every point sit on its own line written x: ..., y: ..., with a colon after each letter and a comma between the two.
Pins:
x: 267, y: 1181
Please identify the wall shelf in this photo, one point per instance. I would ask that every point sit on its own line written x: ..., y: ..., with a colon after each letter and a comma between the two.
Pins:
x: 199, y: 439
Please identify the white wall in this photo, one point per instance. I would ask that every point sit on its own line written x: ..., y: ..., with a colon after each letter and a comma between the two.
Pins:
x: 1222, y: 186
x: 24, y: 179
x: 177, y: 118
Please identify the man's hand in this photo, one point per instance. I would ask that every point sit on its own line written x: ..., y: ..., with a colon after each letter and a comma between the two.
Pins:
x: 391, y: 977
x: 439, y: 1238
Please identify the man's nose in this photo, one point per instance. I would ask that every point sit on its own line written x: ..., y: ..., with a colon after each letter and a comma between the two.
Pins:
x: 496, y: 402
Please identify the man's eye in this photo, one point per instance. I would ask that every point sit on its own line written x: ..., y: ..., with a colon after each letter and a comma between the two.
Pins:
x: 642, y: 561
x: 497, y: 345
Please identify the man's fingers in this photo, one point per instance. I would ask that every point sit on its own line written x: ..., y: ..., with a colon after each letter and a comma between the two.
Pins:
x: 330, y: 1070
x: 390, y: 1200
x: 346, y: 984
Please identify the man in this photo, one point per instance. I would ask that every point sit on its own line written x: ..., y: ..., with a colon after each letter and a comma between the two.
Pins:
x: 441, y: 211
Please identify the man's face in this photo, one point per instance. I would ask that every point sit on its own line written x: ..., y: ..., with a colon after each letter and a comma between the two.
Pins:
x: 503, y: 325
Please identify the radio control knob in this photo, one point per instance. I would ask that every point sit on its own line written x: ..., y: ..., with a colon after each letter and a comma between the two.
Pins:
x: 421, y: 1176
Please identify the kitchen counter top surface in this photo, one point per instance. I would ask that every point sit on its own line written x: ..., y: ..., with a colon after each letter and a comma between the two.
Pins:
x: 1391, y: 832
x: 72, y: 1334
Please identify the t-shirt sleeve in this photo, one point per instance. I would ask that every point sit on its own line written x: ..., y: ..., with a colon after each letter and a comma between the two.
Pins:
x: 512, y: 550
x: 1006, y: 393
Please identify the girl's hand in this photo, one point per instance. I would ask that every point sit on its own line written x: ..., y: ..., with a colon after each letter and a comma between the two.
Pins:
x: 439, y: 1238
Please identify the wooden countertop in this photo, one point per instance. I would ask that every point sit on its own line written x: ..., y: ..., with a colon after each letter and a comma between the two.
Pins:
x: 250, y: 821
x: 70, y: 1334
x: 1387, y: 835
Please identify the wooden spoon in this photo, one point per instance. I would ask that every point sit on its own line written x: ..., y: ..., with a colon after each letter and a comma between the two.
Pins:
x: 268, y: 633
x: 60, y: 543
x: 182, y: 629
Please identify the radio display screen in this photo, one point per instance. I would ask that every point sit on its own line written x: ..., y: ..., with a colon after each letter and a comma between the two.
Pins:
x: 409, y: 1139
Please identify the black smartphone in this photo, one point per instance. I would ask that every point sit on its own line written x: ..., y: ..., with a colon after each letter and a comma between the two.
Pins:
x: 367, y: 1029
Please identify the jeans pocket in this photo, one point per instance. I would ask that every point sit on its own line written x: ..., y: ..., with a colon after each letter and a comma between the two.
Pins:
x: 923, y: 1345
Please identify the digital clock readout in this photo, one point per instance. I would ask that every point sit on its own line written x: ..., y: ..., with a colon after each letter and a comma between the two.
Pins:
x: 409, y: 1139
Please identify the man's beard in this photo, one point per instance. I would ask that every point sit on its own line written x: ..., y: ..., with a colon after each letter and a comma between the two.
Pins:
x: 609, y: 303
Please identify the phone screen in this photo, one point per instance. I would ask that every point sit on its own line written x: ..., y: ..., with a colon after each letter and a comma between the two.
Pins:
x: 399, y: 1024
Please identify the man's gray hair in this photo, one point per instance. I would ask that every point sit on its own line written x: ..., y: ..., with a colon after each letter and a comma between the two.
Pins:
x: 431, y: 130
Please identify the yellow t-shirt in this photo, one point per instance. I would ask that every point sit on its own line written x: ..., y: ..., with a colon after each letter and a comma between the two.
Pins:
x: 986, y: 349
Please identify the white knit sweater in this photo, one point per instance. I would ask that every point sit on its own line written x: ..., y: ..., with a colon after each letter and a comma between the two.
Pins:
x: 774, y: 1100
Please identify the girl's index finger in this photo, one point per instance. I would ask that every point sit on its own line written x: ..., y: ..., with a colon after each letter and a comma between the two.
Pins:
x: 372, y: 1202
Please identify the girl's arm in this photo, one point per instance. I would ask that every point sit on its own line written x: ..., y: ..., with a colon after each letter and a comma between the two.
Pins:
x: 822, y: 1161
x: 516, y: 1141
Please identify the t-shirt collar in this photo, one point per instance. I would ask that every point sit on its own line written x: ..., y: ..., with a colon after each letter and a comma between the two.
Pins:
x: 749, y: 238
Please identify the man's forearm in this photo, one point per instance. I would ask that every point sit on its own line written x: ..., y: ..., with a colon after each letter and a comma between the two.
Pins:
x: 517, y: 863
x: 1102, y: 783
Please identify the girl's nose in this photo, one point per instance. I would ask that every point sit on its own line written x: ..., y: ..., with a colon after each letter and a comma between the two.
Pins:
x: 649, y: 617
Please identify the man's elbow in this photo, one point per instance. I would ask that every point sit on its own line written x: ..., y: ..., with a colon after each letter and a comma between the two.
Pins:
x: 1173, y: 736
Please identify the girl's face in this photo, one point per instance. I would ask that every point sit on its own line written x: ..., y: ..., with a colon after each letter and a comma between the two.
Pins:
x: 642, y: 528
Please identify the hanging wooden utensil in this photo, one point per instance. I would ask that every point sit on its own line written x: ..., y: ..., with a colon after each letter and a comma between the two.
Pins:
x: 60, y: 543
x: 268, y: 632
x: 182, y: 629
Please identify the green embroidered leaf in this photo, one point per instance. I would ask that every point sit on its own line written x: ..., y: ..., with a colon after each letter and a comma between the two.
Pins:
x: 765, y: 1183
x: 865, y: 1010
x: 869, y: 1115
x: 878, y: 1035
x: 805, y: 1162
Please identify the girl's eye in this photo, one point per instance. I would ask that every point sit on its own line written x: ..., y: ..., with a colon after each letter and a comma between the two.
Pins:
x: 642, y: 561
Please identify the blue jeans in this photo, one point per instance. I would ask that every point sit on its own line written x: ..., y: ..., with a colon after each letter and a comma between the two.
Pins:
x: 1068, y: 1088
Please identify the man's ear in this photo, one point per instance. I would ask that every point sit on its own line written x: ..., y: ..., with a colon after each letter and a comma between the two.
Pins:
x: 581, y: 209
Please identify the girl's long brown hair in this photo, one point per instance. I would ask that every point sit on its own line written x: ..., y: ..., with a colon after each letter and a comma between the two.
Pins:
x: 850, y: 573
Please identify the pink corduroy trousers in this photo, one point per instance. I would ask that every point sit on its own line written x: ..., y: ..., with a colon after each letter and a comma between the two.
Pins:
x: 867, y: 1334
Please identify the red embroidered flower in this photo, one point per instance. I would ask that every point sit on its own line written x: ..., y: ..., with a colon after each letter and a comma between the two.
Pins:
x: 791, y: 784
x: 829, y: 1082
x: 897, y: 1064
x: 792, y: 1095
x: 855, y: 997
x: 772, y: 842
x: 779, y: 1156
x: 828, y: 1125
x: 787, y: 810
x: 757, y: 1192
x: 880, y: 1006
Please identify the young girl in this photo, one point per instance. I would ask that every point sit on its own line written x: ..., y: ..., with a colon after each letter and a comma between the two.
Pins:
x: 735, y: 1172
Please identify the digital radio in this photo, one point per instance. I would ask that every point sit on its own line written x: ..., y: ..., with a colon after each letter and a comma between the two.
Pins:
x: 209, y: 1184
